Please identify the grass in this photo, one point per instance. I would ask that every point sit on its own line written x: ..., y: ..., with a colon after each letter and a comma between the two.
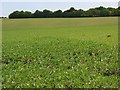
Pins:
x: 60, y: 53
x: 82, y: 29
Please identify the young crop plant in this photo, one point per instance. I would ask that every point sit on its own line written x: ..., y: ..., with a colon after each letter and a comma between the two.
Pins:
x: 60, y: 53
x: 65, y: 64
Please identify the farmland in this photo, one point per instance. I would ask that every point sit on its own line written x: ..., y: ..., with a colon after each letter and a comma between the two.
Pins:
x: 60, y: 53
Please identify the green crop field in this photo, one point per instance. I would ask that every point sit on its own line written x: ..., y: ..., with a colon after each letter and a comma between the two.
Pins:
x: 60, y: 53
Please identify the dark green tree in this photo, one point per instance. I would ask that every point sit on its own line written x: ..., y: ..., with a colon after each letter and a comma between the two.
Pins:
x: 103, y: 11
x: 37, y: 14
x: 47, y: 13
x: 70, y: 13
x: 15, y: 14
x: 57, y: 13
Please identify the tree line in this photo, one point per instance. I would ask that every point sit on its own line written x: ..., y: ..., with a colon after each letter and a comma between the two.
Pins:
x: 70, y: 13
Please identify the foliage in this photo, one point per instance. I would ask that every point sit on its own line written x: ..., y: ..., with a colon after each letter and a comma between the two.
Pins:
x: 60, y: 53
x: 93, y: 12
x: 20, y: 14
x: 65, y: 64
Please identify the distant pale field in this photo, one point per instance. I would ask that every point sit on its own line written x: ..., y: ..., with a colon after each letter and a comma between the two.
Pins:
x: 94, y: 29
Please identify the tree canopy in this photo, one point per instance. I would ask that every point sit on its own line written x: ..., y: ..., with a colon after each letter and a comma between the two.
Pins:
x: 70, y: 13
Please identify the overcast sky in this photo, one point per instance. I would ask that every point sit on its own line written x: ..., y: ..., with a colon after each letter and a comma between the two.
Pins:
x: 9, y: 6
x: 59, y: 0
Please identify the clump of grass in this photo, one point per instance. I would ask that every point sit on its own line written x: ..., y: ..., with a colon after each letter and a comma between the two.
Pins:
x: 108, y: 35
